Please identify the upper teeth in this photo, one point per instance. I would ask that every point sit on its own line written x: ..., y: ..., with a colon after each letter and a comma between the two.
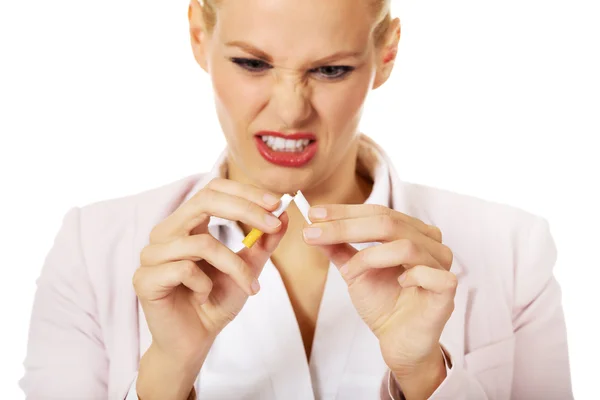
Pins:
x: 281, y: 144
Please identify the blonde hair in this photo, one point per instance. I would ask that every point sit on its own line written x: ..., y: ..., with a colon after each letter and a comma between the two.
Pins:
x: 380, y: 9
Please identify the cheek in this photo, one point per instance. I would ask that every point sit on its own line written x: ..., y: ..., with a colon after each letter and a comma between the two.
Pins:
x: 227, y: 100
x: 237, y: 98
x: 237, y: 101
x: 341, y: 104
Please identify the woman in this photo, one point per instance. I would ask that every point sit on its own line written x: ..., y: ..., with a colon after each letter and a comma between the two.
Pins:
x: 367, y: 302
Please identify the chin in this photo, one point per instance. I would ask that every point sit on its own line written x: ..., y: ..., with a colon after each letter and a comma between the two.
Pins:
x: 286, y: 180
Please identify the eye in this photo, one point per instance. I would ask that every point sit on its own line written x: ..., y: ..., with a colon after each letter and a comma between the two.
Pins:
x: 251, y: 64
x: 329, y: 72
x: 333, y: 72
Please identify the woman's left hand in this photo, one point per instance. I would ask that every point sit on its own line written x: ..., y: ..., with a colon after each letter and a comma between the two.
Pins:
x: 402, y: 288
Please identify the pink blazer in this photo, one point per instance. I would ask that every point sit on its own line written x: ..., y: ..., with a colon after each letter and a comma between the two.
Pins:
x: 506, y: 336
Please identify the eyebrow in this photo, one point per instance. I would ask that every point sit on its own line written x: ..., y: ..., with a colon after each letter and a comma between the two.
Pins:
x: 261, y: 55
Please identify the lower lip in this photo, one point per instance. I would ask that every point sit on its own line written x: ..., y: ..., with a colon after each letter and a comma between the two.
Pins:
x: 286, y: 158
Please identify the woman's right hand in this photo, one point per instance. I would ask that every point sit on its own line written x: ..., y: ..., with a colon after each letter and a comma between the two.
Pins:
x: 190, y: 285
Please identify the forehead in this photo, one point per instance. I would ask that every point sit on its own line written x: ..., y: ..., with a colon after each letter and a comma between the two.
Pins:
x: 296, y: 28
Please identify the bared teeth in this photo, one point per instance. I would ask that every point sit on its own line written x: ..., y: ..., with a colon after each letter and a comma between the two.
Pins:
x: 288, y: 145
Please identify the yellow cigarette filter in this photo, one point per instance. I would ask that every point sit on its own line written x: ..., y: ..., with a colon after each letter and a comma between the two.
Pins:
x: 252, y: 237
x: 255, y: 234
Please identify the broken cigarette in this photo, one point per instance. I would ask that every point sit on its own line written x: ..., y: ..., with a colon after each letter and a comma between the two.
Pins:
x: 286, y: 200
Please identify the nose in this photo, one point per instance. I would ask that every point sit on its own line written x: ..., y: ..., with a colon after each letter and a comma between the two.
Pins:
x: 291, y: 100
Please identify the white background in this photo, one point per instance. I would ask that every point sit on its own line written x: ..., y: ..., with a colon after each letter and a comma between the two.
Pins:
x: 496, y: 99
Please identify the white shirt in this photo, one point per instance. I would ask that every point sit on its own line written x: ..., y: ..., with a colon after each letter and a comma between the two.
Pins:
x: 264, y: 339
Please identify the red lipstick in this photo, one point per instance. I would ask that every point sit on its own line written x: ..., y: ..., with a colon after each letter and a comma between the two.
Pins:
x: 283, y: 157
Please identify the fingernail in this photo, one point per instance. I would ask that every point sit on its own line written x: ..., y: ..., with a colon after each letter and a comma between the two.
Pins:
x: 270, y: 199
x: 312, y: 233
x: 344, y: 269
x: 318, y: 212
x: 402, y: 277
x: 272, y: 221
x: 255, y: 286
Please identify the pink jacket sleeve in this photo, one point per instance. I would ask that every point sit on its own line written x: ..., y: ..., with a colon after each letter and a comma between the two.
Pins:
x: 65, y: 358
x: 541, y: 368
x: 541, y: 362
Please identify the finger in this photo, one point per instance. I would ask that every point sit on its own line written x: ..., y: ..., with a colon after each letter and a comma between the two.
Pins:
x: 432, y: 279
x: 157, y: 282
x: 330, y: 212
x: 209, y: 203
x: 269, y: 201
x: 257, y: 256
x: 202, y: 247
x: 401, y: 252
x: 374, y: 228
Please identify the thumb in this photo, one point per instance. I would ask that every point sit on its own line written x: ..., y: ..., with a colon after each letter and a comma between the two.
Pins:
x: 257, y: 256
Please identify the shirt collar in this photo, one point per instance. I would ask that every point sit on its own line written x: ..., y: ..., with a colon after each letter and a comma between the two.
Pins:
x: 371, y: 164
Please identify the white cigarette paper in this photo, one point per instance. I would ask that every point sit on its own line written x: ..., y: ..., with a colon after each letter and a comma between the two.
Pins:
x: 302, y: 205
x: 286, y: 199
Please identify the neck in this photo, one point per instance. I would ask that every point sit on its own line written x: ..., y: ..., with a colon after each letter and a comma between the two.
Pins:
x: 344, y: 186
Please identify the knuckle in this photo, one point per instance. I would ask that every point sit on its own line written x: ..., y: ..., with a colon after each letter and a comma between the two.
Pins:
x: 136, y: 280
x: 410, y: 249
x: 240, y: 265
x: 214, y: 183
x: 205, y: 242
x: 179, y: 247
x: 378, y: 209
x: 435, y: 233
x: 340, y: 226
x: 448, y: 257
x: 249, y: 207
x: 144, y: 257
x: 155, y: 234
x: 452, y: 281
x: 386, y: 210
x: 186, y: 268
x: 206, y: 196
x: 388, y: 225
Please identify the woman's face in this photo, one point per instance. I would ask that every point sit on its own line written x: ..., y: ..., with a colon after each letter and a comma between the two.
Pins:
x: 290, y: 66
